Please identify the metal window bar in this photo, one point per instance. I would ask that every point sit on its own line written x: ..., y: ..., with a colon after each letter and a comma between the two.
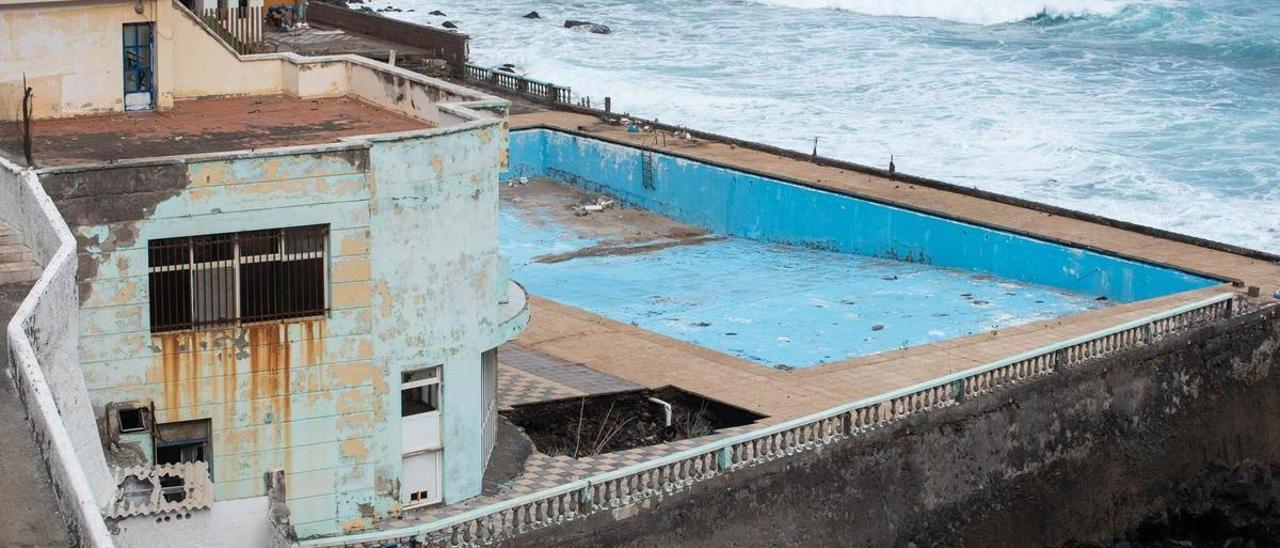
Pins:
x: 222, y: 280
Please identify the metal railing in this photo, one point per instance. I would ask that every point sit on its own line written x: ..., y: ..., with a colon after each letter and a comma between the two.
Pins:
x: 218, y: 280
x: 241, y: 28
x: 519, y: 84
x: 577, y: 499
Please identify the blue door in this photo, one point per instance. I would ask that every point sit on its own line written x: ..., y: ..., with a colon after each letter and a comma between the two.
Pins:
x: 139, y: 66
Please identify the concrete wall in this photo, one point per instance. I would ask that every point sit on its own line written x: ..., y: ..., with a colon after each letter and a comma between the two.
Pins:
x: 71, y: 55
x: 751, y: 206
x: 436, y: 298
x: 300, y: 396
x: 1082, y: 454
x: 229, y: 524
x: 447, y: 45
x: 191, y: 62
x: 413, y: 274
x: 42, y: 360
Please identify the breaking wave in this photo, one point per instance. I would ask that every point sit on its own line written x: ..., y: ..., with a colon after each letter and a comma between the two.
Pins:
x: 980, y: 12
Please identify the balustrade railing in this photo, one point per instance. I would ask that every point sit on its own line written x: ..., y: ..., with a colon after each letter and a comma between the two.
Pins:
x: 503, y: 520
x: 519, y: 84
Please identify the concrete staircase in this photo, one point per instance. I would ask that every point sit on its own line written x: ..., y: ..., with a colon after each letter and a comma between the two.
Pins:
x: 17, y: 261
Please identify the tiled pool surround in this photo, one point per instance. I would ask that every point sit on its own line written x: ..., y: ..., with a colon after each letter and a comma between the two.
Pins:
x: 852, y: 276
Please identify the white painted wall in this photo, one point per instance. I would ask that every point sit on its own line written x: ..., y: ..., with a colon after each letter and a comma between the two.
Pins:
x: 42, y: 347
x: 239, y: 523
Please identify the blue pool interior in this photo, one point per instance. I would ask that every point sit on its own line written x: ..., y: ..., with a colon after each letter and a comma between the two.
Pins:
x: 803, y: 276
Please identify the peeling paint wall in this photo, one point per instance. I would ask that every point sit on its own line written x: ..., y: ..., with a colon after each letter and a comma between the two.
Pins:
x: 413, y: 274
x: 435, y: 301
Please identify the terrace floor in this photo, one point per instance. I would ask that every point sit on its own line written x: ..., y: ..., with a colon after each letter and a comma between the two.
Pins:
x: 209, y: 125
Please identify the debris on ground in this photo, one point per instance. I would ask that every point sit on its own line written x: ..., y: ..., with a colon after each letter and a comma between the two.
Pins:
x: 600, y: 203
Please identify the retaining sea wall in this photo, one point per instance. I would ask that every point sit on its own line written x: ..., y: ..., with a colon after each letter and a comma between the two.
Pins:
x: 1084, y: 454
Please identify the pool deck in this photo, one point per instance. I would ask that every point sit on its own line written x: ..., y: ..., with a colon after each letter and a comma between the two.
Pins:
x: 653, y: 360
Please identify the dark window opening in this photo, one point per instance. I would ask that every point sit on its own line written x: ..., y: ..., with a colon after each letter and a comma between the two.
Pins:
x: 218, y: 280
x: 182, y: 452
x: 179, y: 442
x: 420, y: 391
x: 132, y: 419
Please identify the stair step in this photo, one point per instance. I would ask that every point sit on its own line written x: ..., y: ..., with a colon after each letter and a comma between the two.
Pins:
x: 12, y: 253
x: 22, y: 271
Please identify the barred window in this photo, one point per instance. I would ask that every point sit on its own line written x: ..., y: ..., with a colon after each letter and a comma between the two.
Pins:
x: 223, y: 279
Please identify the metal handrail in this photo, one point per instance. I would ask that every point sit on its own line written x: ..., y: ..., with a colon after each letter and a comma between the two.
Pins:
x: 627, y: 485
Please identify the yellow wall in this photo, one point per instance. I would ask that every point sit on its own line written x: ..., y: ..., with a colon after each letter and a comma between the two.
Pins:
x: 71, y: 54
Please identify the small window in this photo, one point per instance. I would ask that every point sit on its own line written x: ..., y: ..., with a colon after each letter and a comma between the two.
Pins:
x: 418, y: 496
x: 188, y: 441
x: 219, y: 280
x: 132, y: 419
x: 420, y: 391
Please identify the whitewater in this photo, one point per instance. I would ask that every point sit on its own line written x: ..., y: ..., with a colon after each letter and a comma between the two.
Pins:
x: 1160, y: 112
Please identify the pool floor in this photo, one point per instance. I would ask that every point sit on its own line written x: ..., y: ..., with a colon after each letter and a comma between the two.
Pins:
x: 775, y: 305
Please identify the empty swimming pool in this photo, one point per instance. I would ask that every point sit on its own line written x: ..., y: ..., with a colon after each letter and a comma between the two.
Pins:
x: 778, y: 273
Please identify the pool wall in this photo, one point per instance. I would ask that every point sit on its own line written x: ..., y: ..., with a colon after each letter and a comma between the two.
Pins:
x: 746, y: 205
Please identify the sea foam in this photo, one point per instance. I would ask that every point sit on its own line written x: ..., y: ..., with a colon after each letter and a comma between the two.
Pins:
x: 980, y: 12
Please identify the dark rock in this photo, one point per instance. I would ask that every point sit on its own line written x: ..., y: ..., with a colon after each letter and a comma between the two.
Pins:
x: 591, y: 27
x: 877, y: 327
x: 532, y: 15
x: 449, y: 25
x: 438, y: 12
x: 367, y: 8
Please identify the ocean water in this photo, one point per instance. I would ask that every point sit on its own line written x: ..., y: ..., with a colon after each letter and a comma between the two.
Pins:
x: 1161, y: 112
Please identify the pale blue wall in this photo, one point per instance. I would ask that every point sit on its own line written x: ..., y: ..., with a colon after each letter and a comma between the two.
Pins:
x: 735, y: 203
x: 434, y: 234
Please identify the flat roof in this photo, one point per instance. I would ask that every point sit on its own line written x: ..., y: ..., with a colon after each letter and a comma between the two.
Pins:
x: 209, y: 125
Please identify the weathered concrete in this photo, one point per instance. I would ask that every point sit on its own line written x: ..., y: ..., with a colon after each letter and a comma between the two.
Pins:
x: 204, y: 126
x: 31, y: 515
x: 316, y: 397
x: 1083, y: 454
x: 41, y: 361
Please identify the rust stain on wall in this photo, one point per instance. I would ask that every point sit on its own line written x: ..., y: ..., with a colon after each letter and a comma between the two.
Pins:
x: 270, y: 356
x: 171, y: 359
